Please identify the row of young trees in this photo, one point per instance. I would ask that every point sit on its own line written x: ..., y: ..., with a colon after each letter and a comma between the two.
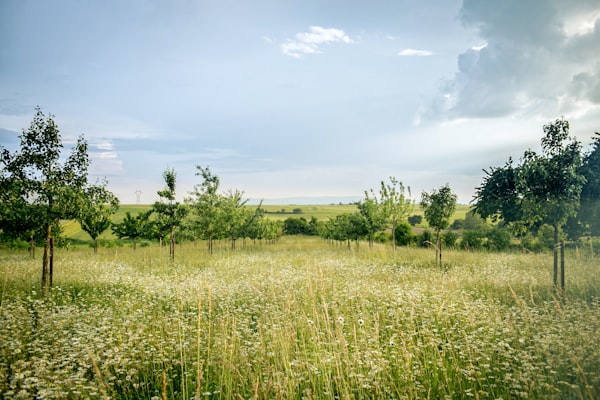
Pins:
x: 388, y: 210
x: 207, y: 215
x: 39, y: 187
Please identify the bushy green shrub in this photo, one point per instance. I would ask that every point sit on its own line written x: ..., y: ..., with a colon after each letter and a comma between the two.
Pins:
x: 450, y: 238
x: 415, y: 219
x: 425, y: 239
x: 457, y: 224
x: 472, y: 239
x: 403, y: 234
x: 498, y: 238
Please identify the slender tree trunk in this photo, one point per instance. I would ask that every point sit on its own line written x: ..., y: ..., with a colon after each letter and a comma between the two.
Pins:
x: 562, y: 264
x: 438, y: 249
x: 172, y: 244
x: 51, y: 261
x: 46, y: 260
x: 439, y: 245
x: 555, y: 274
x: 31, y: 247
x: 96, y: 246
x: 394, y: 238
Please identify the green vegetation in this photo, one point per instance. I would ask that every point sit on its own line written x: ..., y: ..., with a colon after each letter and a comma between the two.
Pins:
x: 298, y: 319
x: 320, y: 212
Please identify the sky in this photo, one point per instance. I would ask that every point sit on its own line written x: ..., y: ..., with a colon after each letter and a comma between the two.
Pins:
x: 300, y: 101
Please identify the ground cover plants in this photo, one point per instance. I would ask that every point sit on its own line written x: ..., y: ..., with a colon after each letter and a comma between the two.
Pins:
x: 298, y: 319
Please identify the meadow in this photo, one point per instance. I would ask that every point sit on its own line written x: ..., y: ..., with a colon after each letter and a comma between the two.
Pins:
x: 298, y: 319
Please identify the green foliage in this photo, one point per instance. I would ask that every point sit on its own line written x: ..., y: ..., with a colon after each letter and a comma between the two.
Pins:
x: 215, y: 216
x: 587, y: 221
x: 425, y: 239
x: 99, y: 207
x: 297, y: 226
x: 498, y: 238
x: 438, y: 206
x: 472, y: 239
x: 414, y: 220
x: 473, y: 221
x: 498, y: 197
x: 450, y: 238
x: 39, y: 188
x: 206, y: 207
x: 373, y: 218
x: 169, y: 213
x: 404, y: 234
x: 544, y: 189
x: 132, y: 227
x: 457, y: 224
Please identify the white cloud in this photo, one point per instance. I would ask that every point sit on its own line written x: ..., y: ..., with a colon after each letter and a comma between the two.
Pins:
x: 311, y: 41
x: 534, y: 59
x: 413, y: 52
x: 581, y: 24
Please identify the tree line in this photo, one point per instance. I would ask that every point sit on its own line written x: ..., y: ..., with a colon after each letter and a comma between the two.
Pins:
x: 557, y: 188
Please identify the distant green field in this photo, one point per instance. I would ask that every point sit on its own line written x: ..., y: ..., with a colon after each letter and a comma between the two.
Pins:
x: 72, y: 230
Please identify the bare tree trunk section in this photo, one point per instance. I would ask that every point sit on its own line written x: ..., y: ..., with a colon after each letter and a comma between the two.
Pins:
x: 46, y: 260
x: 439, y: 246
x: 555, y: 271
x: 562, y: 265
x: 51, y: 261
x: 172, y: 244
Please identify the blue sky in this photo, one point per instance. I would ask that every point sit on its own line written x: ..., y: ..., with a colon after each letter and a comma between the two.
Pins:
x: 302, y: 100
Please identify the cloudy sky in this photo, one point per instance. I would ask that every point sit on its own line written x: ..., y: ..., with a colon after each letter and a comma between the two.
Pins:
x: 290, y: 99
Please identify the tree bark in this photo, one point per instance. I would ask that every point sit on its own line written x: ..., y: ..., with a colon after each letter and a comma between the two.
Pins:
x: 555, y: 274
x: 46, y: 260
x: 32, y: 246
x: 439, y: 245
x: 172, y: 244
x: 438, y: 249
x: 562, y: 264
x: 51, y: 261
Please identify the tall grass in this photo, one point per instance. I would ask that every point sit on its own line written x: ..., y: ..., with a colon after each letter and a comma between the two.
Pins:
x: 298, y: 319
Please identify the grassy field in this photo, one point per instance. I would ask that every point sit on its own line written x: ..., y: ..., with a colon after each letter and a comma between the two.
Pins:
x: 298, y: 319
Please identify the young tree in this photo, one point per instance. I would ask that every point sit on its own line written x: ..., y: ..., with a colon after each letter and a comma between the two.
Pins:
x: 438, y: 206
x: 170, y: 213
x: 99, y: 206
x: 372, y: 215
x: 35, y: 180
x: 132, y: 227
x: 206, y: 206
x: 234, y: 215
x: 544, y: 189
x: 396, y: 204
x: 551, y: 183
